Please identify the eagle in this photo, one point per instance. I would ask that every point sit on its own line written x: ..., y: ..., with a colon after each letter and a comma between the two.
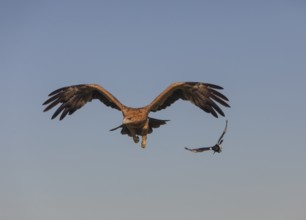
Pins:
x: 136, y: 121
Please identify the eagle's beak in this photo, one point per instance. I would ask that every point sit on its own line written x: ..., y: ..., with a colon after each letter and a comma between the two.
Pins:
x: 126, y: 121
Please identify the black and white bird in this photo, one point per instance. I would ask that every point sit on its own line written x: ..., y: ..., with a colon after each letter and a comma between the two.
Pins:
x: 216, y: 148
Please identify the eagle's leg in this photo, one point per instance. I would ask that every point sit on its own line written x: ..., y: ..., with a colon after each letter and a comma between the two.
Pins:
x: 136, y: 139
x: 144, y: 133
x: 134, y: 135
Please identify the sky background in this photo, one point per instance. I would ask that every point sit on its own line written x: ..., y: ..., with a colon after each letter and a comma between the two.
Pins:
x: 76, y: 169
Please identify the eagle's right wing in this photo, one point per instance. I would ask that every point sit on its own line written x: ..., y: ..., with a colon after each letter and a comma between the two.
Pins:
x: 72, y: 98
x: 203, y: 95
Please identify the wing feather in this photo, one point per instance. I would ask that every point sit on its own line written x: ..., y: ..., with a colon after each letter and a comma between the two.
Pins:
x: 203, y: 95
x: 219, y: 100
x: 72, y: 98
x: 218, y: 94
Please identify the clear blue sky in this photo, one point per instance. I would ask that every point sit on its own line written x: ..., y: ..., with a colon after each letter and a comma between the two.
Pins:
x: 76, y: 169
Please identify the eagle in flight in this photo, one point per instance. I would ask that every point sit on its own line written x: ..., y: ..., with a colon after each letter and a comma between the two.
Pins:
x: 136, y: 121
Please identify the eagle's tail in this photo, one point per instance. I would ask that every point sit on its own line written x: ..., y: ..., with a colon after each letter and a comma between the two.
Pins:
x: 156, y: 123
x: 153, y: 123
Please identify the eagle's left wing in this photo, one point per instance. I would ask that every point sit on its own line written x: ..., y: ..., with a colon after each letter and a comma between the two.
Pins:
x: 72, y: 98
x: 203, y: 95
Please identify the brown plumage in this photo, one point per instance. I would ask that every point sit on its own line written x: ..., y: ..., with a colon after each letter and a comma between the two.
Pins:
x: 135, y: 120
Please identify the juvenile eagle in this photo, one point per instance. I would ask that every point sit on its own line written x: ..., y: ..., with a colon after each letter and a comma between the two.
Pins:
x: 136, y: 121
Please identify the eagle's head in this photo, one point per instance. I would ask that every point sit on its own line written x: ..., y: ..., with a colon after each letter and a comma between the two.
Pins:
x: 127, y: 120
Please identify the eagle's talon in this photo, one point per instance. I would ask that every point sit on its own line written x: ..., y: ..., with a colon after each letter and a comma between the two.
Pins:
x: 143, y: 144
